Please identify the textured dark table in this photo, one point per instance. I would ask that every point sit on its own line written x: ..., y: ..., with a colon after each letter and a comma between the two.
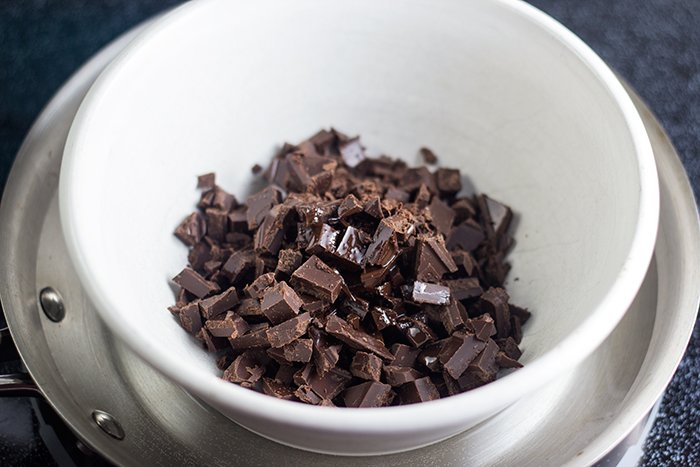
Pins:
x: 653, y: 44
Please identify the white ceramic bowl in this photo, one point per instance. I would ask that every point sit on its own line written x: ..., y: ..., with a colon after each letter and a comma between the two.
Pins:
x: 495, y: 87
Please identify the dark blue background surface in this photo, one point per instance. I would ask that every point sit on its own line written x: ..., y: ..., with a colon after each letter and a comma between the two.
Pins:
x: 653, y: 44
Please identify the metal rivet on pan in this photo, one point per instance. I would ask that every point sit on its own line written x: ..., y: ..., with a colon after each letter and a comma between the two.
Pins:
x: 108, y: 424
x: 52, y: 304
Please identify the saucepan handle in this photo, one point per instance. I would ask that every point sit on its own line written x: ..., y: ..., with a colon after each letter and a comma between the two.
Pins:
x: 14, y: 384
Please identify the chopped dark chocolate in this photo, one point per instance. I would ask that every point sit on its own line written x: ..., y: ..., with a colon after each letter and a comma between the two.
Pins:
x: 194, y: 283
x: 316, y: 278
x: 280, y: 303
x: 340, y: 259
x: 218, y: 304
x: 356, y: 339
x: 289, y: 330
x: 192, y: 229
x: 368, y: 394
x: 428, y: 156
x: 366, y: 366
x: 430, y: 293
x: 206, y: 181
x: 419, y: 390
x: 495, y: 302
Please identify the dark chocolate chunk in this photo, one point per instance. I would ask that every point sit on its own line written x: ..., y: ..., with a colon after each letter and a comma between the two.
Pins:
x: 464, y: 262
x: 495, y: 302
x: 192, y: 229
x: 458, y: 353
x: 289, y: 261
x: 256, y: 337
x: 420, y: 390
x: 285, y: 374
x: 222, y: 200
x: 429, y: 355
x: 383, y: 317
x: 232, y: 326
x: 430, y: 293
x: 259, y: 204
x: 249, y: 307
x: 331, y: 384
x: 280, y: 303
x: 484, y: 365
x: 269, y: 236
x: 352, y: 152
x: 504, y: 361
x: 303, y: 376
x: 206, y: 181
x: 462, y: 289
x: 356, y: 339
x: 218, y: 304
x: 194, y: 283
x: 373, y: 207
x: 277, y: 389
x: 366, y: 366
x: 289, y: 330
x: 428, y: 156
x: 190, y: 317
x: 483, y: 327
x: 357, y: 306
x: 256, y: 169
x: 399, y: 375
x: 237, y: 265
x: 509, y: 347
x: 325, y: 353
x: 384, y: 248
x: 322, y: 240
x: 450, y: 316
x: 245, y: 369
x: 349, y: 206
x: 398, y: 194
x: 414, y: 178
x: 213, y: 343
x: 448, y: 181
x: 497, y: 216
x: 443, y: 216
x: 316, y: 278
x: 466, y: 236
x: 516, y: 330
x: 404, y: 355
x: 417, y: 333
x: 368, y: 394
x: 238, y: 220
x: 259, y: 286
x: 306, y: 394
x: 299, y: 350
x: 521, y: 313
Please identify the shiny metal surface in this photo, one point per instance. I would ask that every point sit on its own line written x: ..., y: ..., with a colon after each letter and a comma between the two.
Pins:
x: 81, y: 368
x: 52, y: 304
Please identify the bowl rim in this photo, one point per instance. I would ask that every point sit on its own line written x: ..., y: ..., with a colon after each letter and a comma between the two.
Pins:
x: 566, y: 354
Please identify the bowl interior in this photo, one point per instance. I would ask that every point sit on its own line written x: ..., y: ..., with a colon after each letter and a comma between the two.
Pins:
x: 219, y: 85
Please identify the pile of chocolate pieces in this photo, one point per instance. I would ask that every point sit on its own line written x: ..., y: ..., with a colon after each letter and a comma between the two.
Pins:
x: 350, y: 281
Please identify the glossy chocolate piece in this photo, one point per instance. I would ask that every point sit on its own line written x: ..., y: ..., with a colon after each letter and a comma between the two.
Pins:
x: 280, y: 303
x: 368, y: 394
x: 430, y: 293
x: 194, y: 283
x: 417, y: 332
x: 316, y: 278
x: 383, y: 317
x: 366, y: 366
x: 384, y: 247
x: 350, y: 205
x: 192, y: 229
x: 322, y: 240
x: 289, y: 330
